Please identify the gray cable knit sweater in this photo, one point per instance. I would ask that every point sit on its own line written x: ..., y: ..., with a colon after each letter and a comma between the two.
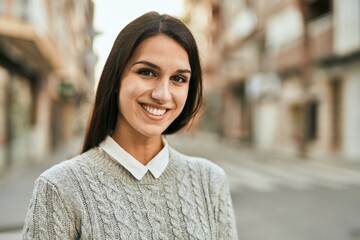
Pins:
x: 93, y: 197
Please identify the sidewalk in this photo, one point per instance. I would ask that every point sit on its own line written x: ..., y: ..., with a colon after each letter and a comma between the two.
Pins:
x: 193, y: 143
x: 249, y: 169
x: 16, y: 187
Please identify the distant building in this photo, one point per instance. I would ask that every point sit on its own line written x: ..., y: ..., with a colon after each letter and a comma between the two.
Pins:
x: 291, y: 73
x: 46, y: 74
x: 204, y: 19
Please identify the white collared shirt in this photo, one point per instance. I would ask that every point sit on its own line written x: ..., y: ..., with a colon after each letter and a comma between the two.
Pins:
x: 156, y: 165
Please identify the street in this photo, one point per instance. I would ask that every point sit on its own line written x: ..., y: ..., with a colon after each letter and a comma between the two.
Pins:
x: 274, y: 197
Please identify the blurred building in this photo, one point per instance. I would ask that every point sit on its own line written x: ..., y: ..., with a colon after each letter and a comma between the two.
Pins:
x: 203, y: 17
x: 289, y: 73
x: 46, y: 73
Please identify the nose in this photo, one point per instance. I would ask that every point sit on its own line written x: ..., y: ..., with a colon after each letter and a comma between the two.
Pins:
x: 161, y: 92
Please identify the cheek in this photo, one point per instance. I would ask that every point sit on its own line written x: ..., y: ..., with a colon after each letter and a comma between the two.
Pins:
x: 126, y: 95
x: 128, y: 90
x: 182, y: 97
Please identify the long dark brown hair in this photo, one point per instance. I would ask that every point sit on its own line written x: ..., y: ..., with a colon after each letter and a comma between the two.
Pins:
x: 105, y: 110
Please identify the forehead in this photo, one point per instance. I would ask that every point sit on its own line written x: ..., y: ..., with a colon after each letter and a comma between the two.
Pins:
x: 163, y: 49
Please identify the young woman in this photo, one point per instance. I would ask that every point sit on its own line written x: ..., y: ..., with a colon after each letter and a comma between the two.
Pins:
x: 128, y: 183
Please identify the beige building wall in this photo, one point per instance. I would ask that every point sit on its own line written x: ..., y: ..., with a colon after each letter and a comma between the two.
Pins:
x: 315, y: 113
x: 351, y: 112
x: 266, y: 125
x: 46, y: 71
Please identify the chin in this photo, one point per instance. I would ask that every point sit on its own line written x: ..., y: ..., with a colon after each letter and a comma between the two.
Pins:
x: 153, y: 132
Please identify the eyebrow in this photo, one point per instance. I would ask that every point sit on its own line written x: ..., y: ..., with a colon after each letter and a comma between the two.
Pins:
x: 158, y: 68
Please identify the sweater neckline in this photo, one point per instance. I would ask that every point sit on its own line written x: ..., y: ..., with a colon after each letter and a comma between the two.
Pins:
x: 155, y: 166
x: 105, y: 165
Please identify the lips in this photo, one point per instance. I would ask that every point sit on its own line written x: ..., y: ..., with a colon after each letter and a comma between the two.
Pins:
x: 154, y: 111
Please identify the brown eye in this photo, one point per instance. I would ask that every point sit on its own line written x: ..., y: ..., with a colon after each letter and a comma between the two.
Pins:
x: 179, y: 79
x: 146, y: 72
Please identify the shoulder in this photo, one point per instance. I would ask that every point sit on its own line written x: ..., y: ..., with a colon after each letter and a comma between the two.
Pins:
x: 212, y: 177
x: 62, y: 173
x: 213, y: 171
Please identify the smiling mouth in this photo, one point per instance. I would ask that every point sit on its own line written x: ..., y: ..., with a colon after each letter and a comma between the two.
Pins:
x: 154, y: 111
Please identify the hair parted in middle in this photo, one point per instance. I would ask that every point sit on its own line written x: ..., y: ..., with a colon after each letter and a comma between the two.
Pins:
x: 105, y: 110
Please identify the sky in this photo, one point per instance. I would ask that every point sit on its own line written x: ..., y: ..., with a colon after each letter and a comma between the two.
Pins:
x: 112, y: 15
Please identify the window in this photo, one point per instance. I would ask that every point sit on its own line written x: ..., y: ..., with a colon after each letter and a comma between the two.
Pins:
x: 318, y: 8
x: 313, y: 120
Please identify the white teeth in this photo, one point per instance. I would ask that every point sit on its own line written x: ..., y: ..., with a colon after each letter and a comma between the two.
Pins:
x: 154, y: 111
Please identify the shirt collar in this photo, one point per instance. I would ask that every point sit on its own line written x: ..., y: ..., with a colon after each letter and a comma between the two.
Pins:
x: 156, y: 166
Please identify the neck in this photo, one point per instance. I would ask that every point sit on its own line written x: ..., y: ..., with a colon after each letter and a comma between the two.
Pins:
x: 141, y: 148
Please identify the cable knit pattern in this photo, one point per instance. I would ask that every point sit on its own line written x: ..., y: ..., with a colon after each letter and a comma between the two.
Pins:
x: 153, y: 206
x: 187, y: 203
x: 135, y: 209
x: 59, y: 229
x: 120, y: 213
x: 41, y: 207
x: 93, y: 197
x: 173, y: 211
x: 100, y: 203
x: 198, y: 193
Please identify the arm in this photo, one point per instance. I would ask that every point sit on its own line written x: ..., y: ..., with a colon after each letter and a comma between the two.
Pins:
x: 226, y: 225
x: 224, y: 217
x: 47, y: 216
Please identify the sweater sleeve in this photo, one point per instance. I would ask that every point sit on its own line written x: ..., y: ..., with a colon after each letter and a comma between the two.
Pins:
x: 225, y: 222
x: 47, y: 216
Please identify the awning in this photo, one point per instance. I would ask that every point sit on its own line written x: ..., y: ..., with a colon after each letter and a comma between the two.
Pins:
x: 22, y: 44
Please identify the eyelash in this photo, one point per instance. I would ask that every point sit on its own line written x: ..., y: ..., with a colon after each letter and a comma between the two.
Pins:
x: 147, y: 72
x: 179, y: 79
x: 150, y: 73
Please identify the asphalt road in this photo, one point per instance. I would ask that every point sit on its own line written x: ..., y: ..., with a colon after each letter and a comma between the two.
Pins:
x: 332, y: 214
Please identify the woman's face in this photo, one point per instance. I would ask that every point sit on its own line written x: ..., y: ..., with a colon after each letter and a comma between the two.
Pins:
x: 153, y: 87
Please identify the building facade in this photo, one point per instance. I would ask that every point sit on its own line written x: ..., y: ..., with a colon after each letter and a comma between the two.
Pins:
x: 46, y: 75
x: 290, y: 74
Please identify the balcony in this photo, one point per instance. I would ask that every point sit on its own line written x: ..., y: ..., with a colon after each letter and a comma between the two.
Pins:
x: 291, y: 55
x: 23, y: 41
